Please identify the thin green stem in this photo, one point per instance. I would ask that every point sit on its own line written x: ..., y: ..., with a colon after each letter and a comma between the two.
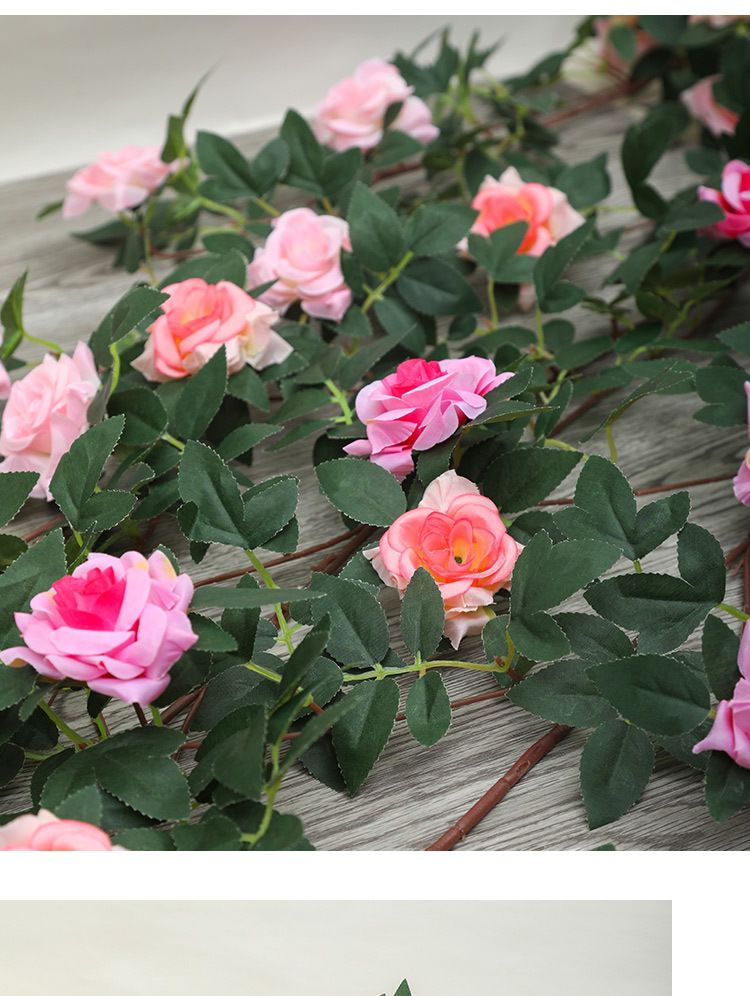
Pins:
x: 42, y: 342
x: 737, y: 613
x: 393, y: 274
x: 156, y: 716
x: 266, y: 672
x: 218, y: 208
x: 539, y: 329
x: 611, y: 443
x: 172, y: 441
x: 284, y: 630
x: 384, y: 672
x: 637, y: 566
x: 63, y: 726
x: 115, y: 364
x: 492, y: 302
x: 268, y: 208
x: 340, y: 398
x: 253, y: 838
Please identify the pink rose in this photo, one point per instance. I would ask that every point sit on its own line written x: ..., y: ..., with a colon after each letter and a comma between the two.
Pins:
x: 734, y: 200
x: 459, y: 537
x: 507, y: 200
x: 198, y: 319
x: 304, y: 252
x: 117, y: 180
x: 352, y: 114
x: 116, y: 623
x: 700, y: 101
x: 731, y: 729
x: 742, y: 479
x: 613, y: 61
x: 47, y: 411
x: 419, y: 406
x: 4, y: 382
x: 45, y: 832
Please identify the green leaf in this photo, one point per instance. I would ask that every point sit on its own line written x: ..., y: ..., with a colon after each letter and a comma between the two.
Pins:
x: 15, y: 683
x: 433, y: 287
x: 301, y: 403
x: 594, y: 639
x: 428, y: 709
x: 233, y: 752
x: 362, y: 490
x: 666, y: 380
x: 306, y: 155
x: 207, y: 482
x: 361, y: 734
x: 214, y: 832
x: 211, y: 636
x: 269, y: 506
x: 737, y: 337
x: 659, y: 694
x: 79, y: 470
x: 720, y: 652
x: 701, y: 561
x: 17, y: 486
x: 616, y: 764
x: 562, y: 693
x: 244, y: 438
x: 11, y: 762
x: 551, y: 295
x: 304, y: 656
x: 144, y: 839
x: 688, y: 217
x: 523, y: 477
x: 585, y: 183
x: 270, y: 165
x: 422, y: 615
x: 632, y: 271
x: 538, y: 637
x: 33, y: 572
x: 495, y: 251
x: 359, y: 631
x: 11, y: 316
x: 436, y: 228
x: 11, y: 548
x: 643, y: 147
x: 248, y: 598
x: 338, y: 170
x: 727, y: 786
x: 247, y: 386
x: 201, y: 397
x: 145, y: 415
x: 219, y: 158
x: 375, y: 230
x: 138, y: 304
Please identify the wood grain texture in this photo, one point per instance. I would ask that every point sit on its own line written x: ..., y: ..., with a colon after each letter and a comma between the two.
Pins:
x: 415, y: 792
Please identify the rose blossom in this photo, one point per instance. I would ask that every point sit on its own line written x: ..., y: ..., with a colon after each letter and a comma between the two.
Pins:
x: 198, y: 319
x: 612, y: 58
x: 45, y: 832
x: 700, y: 101
x: 352, y: 114
x: 731, y: 729
x: 46, y: 411
x: 419, y: 406
x: 116, y: 623
x: 304, y: 252
x: 734, y: 200
x: 717, y: 21
x: 458, y: 536
x: 117, y: 180
x: 4, y: 382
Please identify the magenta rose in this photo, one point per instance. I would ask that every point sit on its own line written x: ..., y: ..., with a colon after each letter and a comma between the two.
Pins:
x: 352, y: 114
x: 46, y: 412
x: 419, y: 406
x: 731, y: 729
x: 4, y: 382
x: 45, y: 832
x: 742, y: 478
x: 199, y: 319
x: 734, y: 200
x: 458, y: 536
x: 116, y: 623
x: 700, y: 101
x: 303, y: 255
x: 117, y: 180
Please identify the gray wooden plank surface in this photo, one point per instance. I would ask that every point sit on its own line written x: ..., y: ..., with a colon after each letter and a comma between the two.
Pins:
x: 414, y: 792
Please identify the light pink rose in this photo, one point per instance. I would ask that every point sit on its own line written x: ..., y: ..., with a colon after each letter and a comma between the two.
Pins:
x: 4, y: 382
x: 304, y: 252
x: 458, y: 536
x: 45, y: 413
x: 613, y: 61
x: 419, y: 406
x: 352, y: 114
x: 731, y: 729
x: 742, y: 479
x: 734, y: 200
x: 117, y: 180
x: 45, y: 832
x: 199, y: 319
x: 116, y: 623
x: 700, y: 101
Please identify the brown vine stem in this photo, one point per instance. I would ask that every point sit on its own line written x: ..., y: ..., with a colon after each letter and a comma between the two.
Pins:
x: 501, y: 788
x: 652, y: 491
x: 595, y: 101
x: 40, y: 530
x: 140, y: 714
x: 737, y: 552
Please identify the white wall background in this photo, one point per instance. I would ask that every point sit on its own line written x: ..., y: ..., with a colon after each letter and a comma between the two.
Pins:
x: 335, y: 948
x: 75, y: 86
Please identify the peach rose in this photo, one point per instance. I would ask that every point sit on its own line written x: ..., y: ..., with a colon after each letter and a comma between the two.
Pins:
x: 45, y: 832
x: 46, y: 411
x: 458, y: 536
x: 700, y: 101
x: 4, y: 382
x: 731, y: 729
x: 303, y: 255
x: 419, y: 406
x: 734, y: 200
x: 117, y: 180
x: 117, y: 623
x: 352, y: 114
x: 198, y: 319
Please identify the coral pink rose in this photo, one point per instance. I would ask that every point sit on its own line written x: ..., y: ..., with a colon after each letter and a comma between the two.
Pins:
x: 303, y: 255
x: 45, y: 832
x: 419, y: 406
x: 45, y: 413
x: 700, y: 101
x: 4, y: 382
x: 731, y: 729
x: 734, y: 200
x: 459, y: 537
x: 199, y: 319
x: 742, y: 479
x: 116, y: 623
x: 613, y: 61
x: 117, y: 180
x: 352, y: 114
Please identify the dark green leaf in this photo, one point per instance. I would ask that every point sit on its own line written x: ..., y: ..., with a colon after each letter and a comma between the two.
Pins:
x: 137, y: 304
x: 15, y: 683
x: 563, y: 694
x: 359, y: 631
x: 17, y: 486
x: 207, y: 482
x: 306, y: 155
x: 33, y: 572
x: 436, y: 228
x: 433, y: 287
x: 550, y: 267
x: 241, y: 597
x: 616, y: 764
x: 145, y: 415
x: 201, y: 397
x: 305, y: 655
x: 362, y: 490
x: 727, y: 786
x: 594, y: 639
x: 523, y: 477
x: 79, y: 470
x: 422, y: 615
x: 218, y: 157
x: 361, y: 734
x: 375, y: 230
x: 428, y: 709
x: 720, y: 651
